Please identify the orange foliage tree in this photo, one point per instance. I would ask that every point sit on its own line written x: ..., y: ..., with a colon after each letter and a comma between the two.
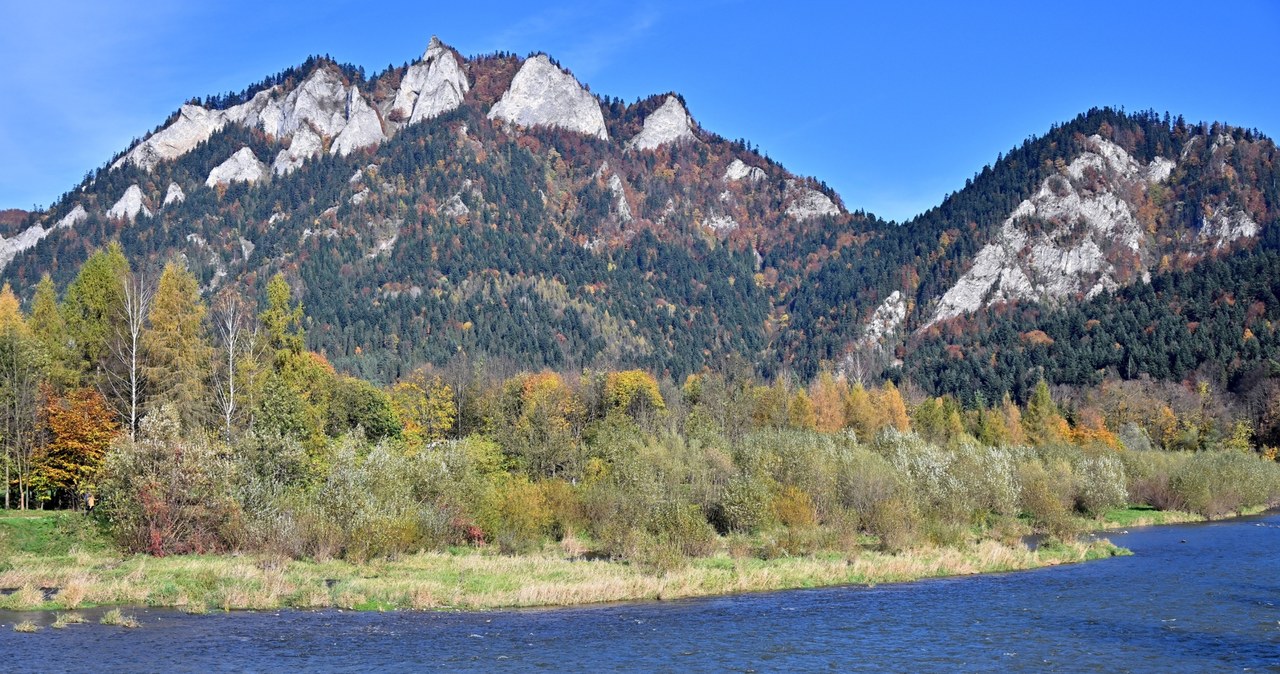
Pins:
x: 77, y: 429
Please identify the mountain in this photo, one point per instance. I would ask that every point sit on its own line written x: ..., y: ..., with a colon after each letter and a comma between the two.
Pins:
x: 494, y: 207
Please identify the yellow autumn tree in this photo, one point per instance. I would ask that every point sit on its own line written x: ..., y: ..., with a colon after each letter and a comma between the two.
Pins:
x: 827, y: 396
x: 177, y: 349
x: 860, y: 414
x: 426, y: 407
x: 892, y: 409
x: 800, y: 412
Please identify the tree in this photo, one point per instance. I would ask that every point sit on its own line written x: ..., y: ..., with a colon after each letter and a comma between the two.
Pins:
x: 22, y: 367
x: 892, y: 408
x: 859, y: 414
x: 50, y: 330
x: 282, y: 322
x: 177, y: 349
x: 827, y: 395
x: 76, y: 430
x: 126, y: 371
x: 800, y: 413
x: 236, y: 340
x: 425, y: 406
x: 1041, y: 422
x: 92, y: 308
x: 634, y: 393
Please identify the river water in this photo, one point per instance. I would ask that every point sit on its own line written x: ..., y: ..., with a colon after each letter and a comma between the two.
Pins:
x: 1193, y: 598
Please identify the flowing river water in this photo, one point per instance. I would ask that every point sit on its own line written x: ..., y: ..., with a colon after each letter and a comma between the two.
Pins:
x: 1193, y: 598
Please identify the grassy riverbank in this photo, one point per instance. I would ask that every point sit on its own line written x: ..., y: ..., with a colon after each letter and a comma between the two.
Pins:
x: 61, y: 561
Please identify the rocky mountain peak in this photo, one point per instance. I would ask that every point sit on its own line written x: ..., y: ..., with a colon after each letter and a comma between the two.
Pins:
x: 541, y: 94
x: 431, y: 87
x: 670, y: 123
x: 1067, y: 238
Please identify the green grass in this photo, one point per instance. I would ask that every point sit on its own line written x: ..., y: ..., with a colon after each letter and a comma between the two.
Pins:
x: 49, y: 534
x: 1145, y: 515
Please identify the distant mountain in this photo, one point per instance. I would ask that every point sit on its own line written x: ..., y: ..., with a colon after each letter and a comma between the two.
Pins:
x: 493, y: 206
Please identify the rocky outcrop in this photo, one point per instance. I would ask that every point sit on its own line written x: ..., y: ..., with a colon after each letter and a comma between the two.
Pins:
x: 243, y: 166
x: 129, y: 205
x: 174, y: 195
x: 1063, y: 240
x: 668, y: 124
x: 806, y: 203
x: 319, y: 108
x: 430, y: 87
x: 75, y: 217
x: 721, y: 223
x: 305, y: 144
x: 541, y: 94
x: 193, y: 126
x: 620, y: 205
x: 739, y: 170
x: 1226, y: 224
x: 886, y: 319
x: 363, y: 128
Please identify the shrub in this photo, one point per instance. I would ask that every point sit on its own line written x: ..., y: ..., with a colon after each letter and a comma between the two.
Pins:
x: 743, y: 506
x: 793, y: 508
x: 167, y: 494
x: 1100, y: 484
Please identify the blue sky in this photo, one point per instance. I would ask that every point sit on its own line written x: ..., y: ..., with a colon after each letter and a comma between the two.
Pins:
x: 892, y: 104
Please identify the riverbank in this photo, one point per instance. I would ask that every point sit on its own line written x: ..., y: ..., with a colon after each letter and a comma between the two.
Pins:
x: 57, y: 562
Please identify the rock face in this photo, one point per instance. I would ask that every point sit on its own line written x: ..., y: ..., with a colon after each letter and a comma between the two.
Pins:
x: 670, y: 123
x: 129, y: 205
x: 886, y: 319
x: 363, y: 128
x: 174, y: 195
x: 243, y: 166
x: 739, y: 170
x: 1067, y: 239
x: 193, y: 126
x: 619, y: 198
x: 1226, y: 224
x: 319, y: 108
x: 542, y: 94
x: 721, y: 223
x: 807, y: 203
x: 305, y: 144
x: 75, y: 217
x: 431, y: 87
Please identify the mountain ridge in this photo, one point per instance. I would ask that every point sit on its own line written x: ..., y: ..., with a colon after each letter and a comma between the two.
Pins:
x: 679, y: 250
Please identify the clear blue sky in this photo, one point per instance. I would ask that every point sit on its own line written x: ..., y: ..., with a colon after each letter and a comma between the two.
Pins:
x: 892, y: 104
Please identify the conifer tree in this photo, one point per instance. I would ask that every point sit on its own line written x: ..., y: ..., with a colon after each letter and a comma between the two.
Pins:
x: 93, y: 307
x: 50, y: 331
x: 177, y: 349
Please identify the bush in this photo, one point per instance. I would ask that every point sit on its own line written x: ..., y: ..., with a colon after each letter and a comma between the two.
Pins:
x: 165, y: 494
x: 743, y: 506
x: 1215, y: 484
x: 1100, y: 484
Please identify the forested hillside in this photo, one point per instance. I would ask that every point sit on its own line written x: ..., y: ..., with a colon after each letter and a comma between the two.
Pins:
x: 428, y: 214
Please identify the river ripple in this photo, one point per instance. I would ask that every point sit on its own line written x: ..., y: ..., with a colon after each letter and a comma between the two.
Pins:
x: 1193, y: 598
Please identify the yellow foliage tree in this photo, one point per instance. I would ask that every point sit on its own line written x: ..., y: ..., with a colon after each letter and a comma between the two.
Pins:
x: 827, y: 396
x: 426, y: 407
x: 859, y: 413
x: 800, y: 412
x: 892, y: 409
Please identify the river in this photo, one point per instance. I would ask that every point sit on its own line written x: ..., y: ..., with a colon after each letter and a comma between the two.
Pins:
x: 1193, y: 598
